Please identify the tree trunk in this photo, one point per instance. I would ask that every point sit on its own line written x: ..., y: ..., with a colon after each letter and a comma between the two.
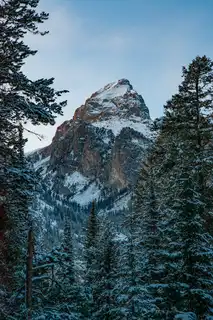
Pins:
x: 29, y: 274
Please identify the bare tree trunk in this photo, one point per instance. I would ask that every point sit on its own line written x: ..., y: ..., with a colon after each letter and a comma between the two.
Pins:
x: 29, y: 274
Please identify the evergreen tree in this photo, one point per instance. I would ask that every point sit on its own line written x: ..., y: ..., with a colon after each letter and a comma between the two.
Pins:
x: 106, y: 275
x: 130, y: 294
x: 91, y: 258
x: 153, y: 240
x: 187, y: 192
x: 72, y: 296
x: 91, y: 244
x: 68, y: 252
x: 21, y: 100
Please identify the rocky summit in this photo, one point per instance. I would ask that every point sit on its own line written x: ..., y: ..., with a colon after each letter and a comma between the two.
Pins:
x: 96, y: 155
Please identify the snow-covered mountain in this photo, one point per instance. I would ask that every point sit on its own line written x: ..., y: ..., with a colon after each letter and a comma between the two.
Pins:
x: 96, y: 155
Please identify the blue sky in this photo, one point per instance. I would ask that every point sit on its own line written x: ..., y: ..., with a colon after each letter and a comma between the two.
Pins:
x: 94, y: 42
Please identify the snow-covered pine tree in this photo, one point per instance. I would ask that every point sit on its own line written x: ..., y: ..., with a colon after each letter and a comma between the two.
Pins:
x: 21, y: 99
x: 68, y: 251
x: 153, y: 238
x: 106, y: 275
x: 91, y: 243
x: 19, y: 189
x: 71, y: 299
x: 130, y: 294
x: 91, y: 257
x: 188, y: 118
x: 21, y: 186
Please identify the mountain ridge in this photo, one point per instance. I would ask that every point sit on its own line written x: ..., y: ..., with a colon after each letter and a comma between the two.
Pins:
x: 95, y: 156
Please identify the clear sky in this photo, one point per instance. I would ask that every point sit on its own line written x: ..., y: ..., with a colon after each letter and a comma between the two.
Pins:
x: 94, y: 42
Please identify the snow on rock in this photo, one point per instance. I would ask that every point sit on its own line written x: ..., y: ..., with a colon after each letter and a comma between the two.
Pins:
x: 91, y: 193
x: 76, y: 179
x: 42, y: 205
x: 94, y: 143
x: 115, y: 99
x: 37, y: 165
x: 115, y: 124
x: 122, y: 203
x: 112, y: 90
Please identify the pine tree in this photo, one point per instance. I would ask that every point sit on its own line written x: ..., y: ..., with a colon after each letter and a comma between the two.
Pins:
x: 21, y: 100
x: 72, y: 296
x: 106, y: 275
x: 187, y: 193
x: 19, y: 192
x: 130, y: 294
x: 68, y: 252
x: 91, y: 258
x: 151, y: 219
x: 91, y: 243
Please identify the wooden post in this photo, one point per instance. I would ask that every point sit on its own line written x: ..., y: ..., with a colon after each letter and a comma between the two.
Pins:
x: 29, y: 274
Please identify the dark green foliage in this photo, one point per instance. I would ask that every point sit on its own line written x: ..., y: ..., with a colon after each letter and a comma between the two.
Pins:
x: 106, y: 276
x: 188, y: 117
x: 153, y: 241
x: 91, y: 245
x: 21, y: 99
x: 183, y: 168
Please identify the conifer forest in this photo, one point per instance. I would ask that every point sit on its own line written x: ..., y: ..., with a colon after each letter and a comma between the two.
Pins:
x: 152, y: 262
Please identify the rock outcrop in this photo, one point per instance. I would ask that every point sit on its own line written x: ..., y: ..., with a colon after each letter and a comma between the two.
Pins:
x: 96, y: 155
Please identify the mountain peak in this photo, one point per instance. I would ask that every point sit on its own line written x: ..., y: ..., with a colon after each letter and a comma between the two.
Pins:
x: 96, y: 156
x: 113, y: 90
x: 115, y: 99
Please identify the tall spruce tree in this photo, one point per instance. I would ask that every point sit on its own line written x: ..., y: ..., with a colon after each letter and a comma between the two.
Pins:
x: 91, y: 243
x: 188, y: 119
x: 152, y: 239
x: 91, y: 258
x: 68, y: 251
x: 130, y: 295
x: 106, y: 275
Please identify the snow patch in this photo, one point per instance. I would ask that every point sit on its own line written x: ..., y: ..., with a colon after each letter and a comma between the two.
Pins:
x: 53, y: 224
x: 76, y: 179
x: 116, y: 124
x: 91, y: 193
x: 42, y: 205
x: 120, y: 237
x: 106, y: 140
x: 112, y: 91
x: 40, y: 163
x: 135, y: 141
x: 122, y: 203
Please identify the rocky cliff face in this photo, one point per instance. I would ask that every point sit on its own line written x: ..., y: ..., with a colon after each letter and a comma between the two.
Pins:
x: 96, y: 155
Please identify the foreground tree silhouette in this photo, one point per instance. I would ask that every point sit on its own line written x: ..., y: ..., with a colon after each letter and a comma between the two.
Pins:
x: 21, y: 99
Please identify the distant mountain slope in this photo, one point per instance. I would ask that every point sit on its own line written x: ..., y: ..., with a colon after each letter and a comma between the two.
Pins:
x: 96, y: 155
